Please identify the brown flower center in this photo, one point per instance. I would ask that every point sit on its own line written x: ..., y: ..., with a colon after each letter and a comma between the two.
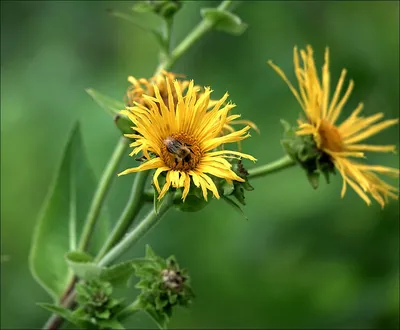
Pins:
x: 330, y: 137
x: 181, y: 152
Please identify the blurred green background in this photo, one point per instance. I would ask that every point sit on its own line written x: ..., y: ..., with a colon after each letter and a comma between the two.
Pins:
x: 305, y: 258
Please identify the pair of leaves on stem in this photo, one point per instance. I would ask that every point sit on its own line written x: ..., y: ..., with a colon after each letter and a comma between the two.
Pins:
x: 150, y: 16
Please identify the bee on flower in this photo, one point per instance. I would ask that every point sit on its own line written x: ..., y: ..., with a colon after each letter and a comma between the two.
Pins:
x: 180, y: 135
x: 341, y: 142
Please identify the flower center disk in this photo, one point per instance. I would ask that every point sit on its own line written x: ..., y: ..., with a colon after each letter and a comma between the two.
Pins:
x: 330, y: 138
x: 181, y: 152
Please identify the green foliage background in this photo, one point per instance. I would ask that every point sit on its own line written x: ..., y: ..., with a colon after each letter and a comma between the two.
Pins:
x: 305, y: 258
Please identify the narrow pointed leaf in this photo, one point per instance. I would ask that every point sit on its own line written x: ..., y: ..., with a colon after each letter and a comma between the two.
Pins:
x: 61, y: 220
x: 112, y: 106
x: 63, y: 312
x: 235, y: 206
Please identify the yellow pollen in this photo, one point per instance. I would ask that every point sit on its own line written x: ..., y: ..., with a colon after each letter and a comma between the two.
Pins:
x: 329, y: 137
x: 186, y: 158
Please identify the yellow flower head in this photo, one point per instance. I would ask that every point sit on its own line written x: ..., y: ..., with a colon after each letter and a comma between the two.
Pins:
x: 144, y: 86
x: 182, y: 134
x: 340, y: 141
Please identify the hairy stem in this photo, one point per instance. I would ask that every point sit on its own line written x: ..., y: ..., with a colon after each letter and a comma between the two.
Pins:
x: 273, y: 167
x: 101, y: 192
x: 140, y: 230
x: 131, y: 210
x: 202, y: 28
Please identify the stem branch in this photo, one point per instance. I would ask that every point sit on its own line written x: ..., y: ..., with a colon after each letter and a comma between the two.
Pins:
x: 273, y: 167
x: 131, y: 210
x: 136, y: 234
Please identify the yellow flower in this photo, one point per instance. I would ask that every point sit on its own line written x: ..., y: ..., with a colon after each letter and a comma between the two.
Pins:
x: 144, y: 86
x: 182, y: 134
x: 340, y: 141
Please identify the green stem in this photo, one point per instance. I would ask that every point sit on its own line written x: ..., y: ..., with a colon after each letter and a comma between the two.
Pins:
x: 136, y: 234
x: 131, y: 210
x: 202, y: 28
x: 273, y: 167
x: 101, y: 192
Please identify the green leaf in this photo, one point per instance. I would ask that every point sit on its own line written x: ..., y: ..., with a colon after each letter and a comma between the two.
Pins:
x: 62, y: 217
x: 64, y: 313
x: 82, y: 265
x: 143, y: 7
x: 119, y: 274
x: 110, y: 324
x: 224, y: 21
x: 110, y: 105
x: 149, y: 254
x: 160, y: 319
x: 235, y: 206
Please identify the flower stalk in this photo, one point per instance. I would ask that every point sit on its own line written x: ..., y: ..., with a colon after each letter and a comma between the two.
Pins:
x: 201, y: 29
x: 101, y: 192
x: 131, y: 210
x: 143, y: 227
x: 276, y: 166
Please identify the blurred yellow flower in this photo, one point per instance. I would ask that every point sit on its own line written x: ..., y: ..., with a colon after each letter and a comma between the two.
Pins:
x: 179, y: 135
x: 142, y: 86
x: 340, y: 141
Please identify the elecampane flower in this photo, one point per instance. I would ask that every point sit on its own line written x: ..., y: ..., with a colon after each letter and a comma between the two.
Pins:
x: 142, y: 86
x: 342, y: 142
x: 181, y: 136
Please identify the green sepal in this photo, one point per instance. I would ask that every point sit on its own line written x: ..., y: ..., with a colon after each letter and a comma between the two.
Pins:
x: 110, y: 105
x: 157, y: 203
x: 123, y: 124
x: 313, y: 178
x: 235, y: 206
x: 223, y: 20
x: 236, y: 189
x: 194, y: 200
x: 303, y: 150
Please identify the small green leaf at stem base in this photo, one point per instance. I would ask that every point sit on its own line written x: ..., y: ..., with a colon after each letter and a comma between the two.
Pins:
x: 82, y: 266
x: 223, y: 20
x: 235, y: 206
